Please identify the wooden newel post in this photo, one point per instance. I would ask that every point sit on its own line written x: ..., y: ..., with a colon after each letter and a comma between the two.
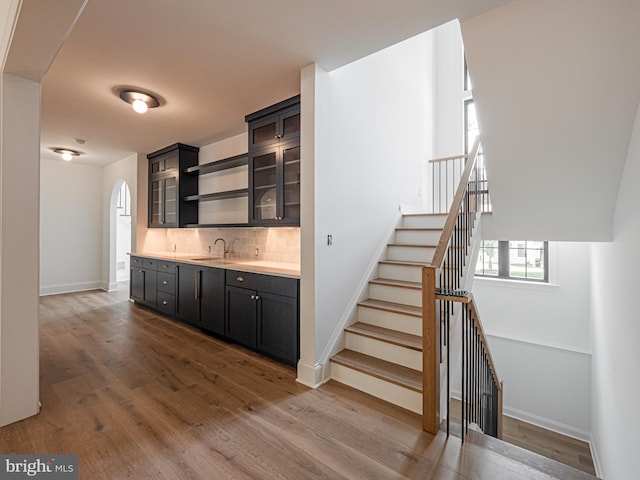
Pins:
x: 430, y: 353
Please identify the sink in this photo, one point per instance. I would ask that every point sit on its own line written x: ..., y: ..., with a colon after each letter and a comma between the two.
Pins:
x: 206, y: 259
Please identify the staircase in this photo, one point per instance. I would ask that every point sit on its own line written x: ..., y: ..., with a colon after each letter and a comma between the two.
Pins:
x: 383, y: 349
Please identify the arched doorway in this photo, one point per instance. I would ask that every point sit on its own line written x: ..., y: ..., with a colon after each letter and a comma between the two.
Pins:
x: 120, y: 232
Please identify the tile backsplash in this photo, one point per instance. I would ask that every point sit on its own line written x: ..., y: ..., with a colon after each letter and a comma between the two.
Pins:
x: 281, y: 244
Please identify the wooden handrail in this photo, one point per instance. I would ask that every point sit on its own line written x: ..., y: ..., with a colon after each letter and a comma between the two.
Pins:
x: 446, y: 159
x: 441, y: 250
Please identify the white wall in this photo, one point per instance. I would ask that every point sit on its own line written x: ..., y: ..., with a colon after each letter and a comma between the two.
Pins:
x: 371, y: 144
x: 539, y: 335
x: 112, y: 176
x: 70, y: 227
x: 555, y: 111
x: 616, y: 331
x: 19, y: 209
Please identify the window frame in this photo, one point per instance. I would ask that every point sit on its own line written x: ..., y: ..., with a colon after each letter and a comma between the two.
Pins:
x: 504, y: 263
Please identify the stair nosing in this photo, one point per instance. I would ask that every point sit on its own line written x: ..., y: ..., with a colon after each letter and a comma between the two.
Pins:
x: 396, y: 283
x: 386, y: 335
x: 340, y: 359
x: 391, y: 307
x: 411, y: 245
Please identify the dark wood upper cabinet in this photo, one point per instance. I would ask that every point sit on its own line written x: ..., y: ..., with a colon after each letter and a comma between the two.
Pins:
x: 274, y: 164
x: 169, y: 185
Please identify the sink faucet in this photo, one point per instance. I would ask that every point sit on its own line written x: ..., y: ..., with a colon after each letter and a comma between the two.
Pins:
x: 224, y: 246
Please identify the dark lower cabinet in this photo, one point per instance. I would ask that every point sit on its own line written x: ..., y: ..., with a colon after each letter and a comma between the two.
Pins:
x: 242, y: 316
x: 262, y: 313
x: 258, y: 311
x: 277, y: 332
x: 188, y: 302
x: 201, y: 297
x: 212, y: 300
x: 142, y: 282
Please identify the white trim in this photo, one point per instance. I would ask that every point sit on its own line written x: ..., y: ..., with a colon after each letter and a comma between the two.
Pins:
x: 537, y: 343
x: 310, y: 375
x: 594, y: 456
x: 71, y: 288
x: 542, y: 422
x: 548, y: 424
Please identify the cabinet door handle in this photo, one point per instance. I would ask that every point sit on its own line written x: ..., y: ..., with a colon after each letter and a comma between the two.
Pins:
x: 197, y: 284
x: 240, y: 279
x: 164, y: 282
x: 164, y: 302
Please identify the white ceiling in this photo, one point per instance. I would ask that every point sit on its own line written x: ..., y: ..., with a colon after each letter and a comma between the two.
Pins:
x: 211, y: 62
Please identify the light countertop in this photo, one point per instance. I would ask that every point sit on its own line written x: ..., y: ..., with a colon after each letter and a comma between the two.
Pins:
x: 280, y: 269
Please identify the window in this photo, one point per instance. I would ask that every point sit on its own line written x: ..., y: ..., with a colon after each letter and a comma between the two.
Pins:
x: 514, y: 260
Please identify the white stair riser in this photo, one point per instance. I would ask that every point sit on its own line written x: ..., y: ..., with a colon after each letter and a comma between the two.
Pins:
x: 404, y: 296
x: 387, y: 391
x: 418, y: 237
x: 400, y: 272
x: 424, y: 221
x: 410, y: 254
x: 394, y: 321
x: 386, y: 351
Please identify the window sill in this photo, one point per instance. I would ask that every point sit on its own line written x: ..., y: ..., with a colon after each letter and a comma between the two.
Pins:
x: 519, y: 284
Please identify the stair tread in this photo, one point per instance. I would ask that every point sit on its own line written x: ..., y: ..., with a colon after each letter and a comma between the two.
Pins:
x: 405, y: 263
x: 397, y: 283
x: 392, y: 307
x: 388, y: 371
x: 420, y: 229
x: 425, y: 214
x: 411, y: 245
x: 414, y: 342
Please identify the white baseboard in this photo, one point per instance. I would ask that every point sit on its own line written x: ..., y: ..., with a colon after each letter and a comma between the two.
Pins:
x: 310, y: 374
x: 70, y: 288
x: 552, y: 425
x: 542, y: 422
x: 596, y: 460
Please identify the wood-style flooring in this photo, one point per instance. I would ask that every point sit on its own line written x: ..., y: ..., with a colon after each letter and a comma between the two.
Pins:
x: 567, y: 450
x: 137, y: 395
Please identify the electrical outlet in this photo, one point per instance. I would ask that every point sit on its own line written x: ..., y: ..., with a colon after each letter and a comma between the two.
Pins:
x: 329, y: 240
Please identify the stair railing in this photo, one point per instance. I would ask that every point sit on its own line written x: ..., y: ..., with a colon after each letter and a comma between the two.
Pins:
x: 441, y: 283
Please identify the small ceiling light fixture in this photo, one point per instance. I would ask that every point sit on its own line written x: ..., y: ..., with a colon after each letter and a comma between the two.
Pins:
x: 66, y: 153
x: 139, y: 101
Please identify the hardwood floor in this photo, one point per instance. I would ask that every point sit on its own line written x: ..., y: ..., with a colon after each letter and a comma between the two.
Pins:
x: 139, y: 396
x: 567, y: 450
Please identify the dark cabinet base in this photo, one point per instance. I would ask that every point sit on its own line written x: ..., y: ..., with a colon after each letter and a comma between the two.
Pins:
x: 257, y: 311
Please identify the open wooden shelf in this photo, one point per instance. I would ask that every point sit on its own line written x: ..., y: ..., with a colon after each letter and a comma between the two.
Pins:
x: 242, y: 192
x: 218, y: 165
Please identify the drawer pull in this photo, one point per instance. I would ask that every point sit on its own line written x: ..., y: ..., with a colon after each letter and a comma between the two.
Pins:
x: 240, y: 279
x: 164, y: 282
x: 165, y: 266
x: 164, y: 302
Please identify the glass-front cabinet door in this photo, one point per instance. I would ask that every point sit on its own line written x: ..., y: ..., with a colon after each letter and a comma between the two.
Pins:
x: 274, y: 186
x: 264, y: 187
x: 163, y: 202
x: 291, y: 170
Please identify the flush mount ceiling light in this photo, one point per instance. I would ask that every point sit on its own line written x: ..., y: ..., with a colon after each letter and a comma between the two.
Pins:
x: 66, y: 153
x: 140, y: 101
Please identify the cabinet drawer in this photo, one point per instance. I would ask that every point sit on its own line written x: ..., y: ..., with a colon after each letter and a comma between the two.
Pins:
x: 278, y: 285
x: 242, y: 279
x: 166, y: 303
x: 166, y: 282
x: 150, y: 263
x: 136, y: 261
x: 168, y: 267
